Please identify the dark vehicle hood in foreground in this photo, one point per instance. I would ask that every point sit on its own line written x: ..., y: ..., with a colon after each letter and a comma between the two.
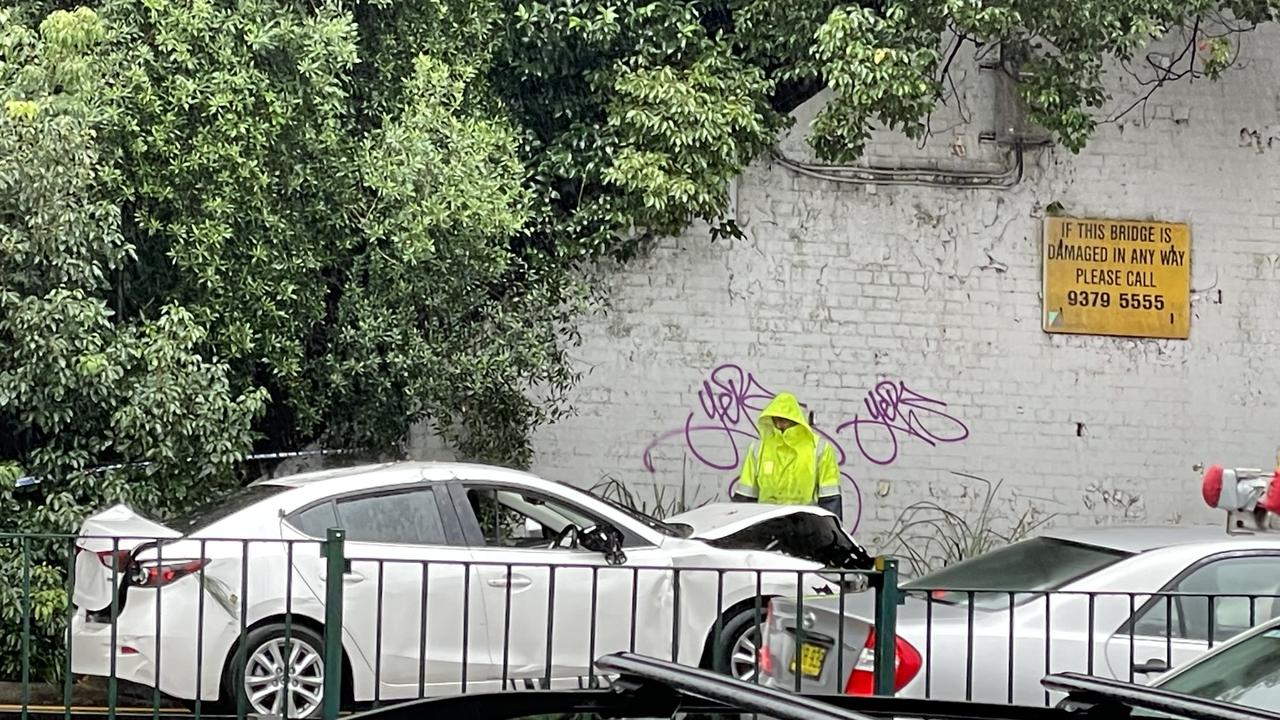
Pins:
x: 643, y: 687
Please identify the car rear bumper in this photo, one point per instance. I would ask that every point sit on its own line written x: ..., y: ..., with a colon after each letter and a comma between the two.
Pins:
x: 822, y: 633
x: 158, y: 641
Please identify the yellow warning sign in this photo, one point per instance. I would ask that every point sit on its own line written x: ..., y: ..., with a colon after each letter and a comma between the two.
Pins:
x: 1117, y: 277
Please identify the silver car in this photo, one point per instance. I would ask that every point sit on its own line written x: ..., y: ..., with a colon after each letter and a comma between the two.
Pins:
x: 1127, y: 603
x: 1243, y: 671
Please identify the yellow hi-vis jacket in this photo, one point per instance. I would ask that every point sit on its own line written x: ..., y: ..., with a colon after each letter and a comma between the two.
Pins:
x: 796, y: 467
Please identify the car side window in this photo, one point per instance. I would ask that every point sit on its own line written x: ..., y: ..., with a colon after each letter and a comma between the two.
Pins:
x: 315, y: 521
x: 1219, y: 599
x: 516, y: 519
x: 403, y: 518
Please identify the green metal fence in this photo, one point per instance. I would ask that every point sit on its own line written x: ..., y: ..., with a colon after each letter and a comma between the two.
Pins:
x: 335, y: 558
x: 983, y: 644
x: 137, y: 589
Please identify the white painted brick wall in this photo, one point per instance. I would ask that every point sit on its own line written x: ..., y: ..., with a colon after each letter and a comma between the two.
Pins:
x: 838, y: 286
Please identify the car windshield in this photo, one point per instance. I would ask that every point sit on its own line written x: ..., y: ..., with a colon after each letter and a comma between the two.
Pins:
x: 1247, y: 673
x: 209, y: 513
x: 1030, y: 566
x: 649, y: 521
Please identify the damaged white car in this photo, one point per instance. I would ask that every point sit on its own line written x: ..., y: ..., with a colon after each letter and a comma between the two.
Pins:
x: 458, y: 578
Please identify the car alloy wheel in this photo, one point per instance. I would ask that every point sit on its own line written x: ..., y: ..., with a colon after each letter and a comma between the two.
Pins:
x: 743, y: 660
x: 270, y: 682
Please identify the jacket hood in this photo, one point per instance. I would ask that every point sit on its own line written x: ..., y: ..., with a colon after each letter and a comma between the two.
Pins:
x: 784, y: 405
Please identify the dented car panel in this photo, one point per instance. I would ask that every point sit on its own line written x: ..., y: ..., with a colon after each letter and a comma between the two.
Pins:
x: 817, y: 537
x: 717, y: 520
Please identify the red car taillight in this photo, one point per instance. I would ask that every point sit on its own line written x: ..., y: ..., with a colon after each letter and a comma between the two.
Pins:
x: 764, y: 659
x: 906, y: 664
x: 119, y: 559
x: 159, y: 575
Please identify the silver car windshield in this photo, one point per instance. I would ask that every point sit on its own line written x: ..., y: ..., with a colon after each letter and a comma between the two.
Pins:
x: 1031, y: 566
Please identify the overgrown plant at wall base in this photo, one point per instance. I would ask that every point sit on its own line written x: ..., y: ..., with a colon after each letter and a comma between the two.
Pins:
x: 666, y: 501
x: 928, y: 536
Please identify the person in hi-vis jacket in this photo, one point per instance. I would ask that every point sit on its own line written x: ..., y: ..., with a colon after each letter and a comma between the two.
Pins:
x: 790, y: 464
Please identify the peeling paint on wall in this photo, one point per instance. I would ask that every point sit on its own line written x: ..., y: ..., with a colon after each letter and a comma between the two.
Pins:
x: 1111, y: 504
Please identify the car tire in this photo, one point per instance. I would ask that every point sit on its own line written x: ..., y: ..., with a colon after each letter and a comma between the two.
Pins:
x: 264, y: 650
x: 733, y: 651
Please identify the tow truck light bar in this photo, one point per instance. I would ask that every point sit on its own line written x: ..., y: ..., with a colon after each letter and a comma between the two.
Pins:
x: 1243, y: 492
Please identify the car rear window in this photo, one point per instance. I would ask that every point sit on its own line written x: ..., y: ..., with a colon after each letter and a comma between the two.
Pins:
x: 1030, y: 566
x: 201, y: 517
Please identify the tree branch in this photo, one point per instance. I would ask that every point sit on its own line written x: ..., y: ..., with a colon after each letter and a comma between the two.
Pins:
x: 1165, y: 75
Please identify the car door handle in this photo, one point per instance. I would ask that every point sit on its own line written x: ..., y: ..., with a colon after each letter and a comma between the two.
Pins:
x: 516, y: 581
x: 1154, y: 665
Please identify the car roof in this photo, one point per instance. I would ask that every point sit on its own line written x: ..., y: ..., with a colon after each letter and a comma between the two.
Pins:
x: 1143, y: 538
x: 391, y: 473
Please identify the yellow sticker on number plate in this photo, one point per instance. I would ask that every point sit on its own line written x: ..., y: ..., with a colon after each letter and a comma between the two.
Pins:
x: 812, y: 658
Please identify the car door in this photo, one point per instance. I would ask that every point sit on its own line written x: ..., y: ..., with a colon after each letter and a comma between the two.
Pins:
x: 1209, y: 602
x: 411, y: 606
x: 553, y: 610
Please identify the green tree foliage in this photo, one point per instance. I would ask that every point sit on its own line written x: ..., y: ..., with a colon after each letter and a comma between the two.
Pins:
x: 80, y: 385
x: 237, y: 223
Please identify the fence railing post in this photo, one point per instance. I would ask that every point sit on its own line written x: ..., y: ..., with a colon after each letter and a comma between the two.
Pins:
x: 334, y: 553
x: 888, y: 598
x: 26, y: 627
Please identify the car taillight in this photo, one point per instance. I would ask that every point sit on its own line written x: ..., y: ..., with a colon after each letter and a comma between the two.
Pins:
x: 161, y: 574
x: 765, y: 660
x: 906, y: 664
x: 119, y: 559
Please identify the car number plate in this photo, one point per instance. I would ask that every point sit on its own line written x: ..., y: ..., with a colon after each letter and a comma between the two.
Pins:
x: 812, y: 658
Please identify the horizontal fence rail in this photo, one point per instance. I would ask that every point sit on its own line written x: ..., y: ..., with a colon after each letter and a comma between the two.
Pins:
x: 310, y: 628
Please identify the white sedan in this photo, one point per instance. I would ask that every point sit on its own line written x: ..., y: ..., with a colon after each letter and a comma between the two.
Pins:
x: 1122, y: 602
x: 459, y: 578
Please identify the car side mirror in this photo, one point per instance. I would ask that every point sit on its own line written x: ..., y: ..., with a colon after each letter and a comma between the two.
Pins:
x: 1151, y: 667
x: 604, y: 539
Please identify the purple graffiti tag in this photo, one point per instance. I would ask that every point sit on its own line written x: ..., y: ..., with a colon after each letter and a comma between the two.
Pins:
x: 897, y: 409
x: 718, y: 433
x: 717, y: 437
x: 732, y: 396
